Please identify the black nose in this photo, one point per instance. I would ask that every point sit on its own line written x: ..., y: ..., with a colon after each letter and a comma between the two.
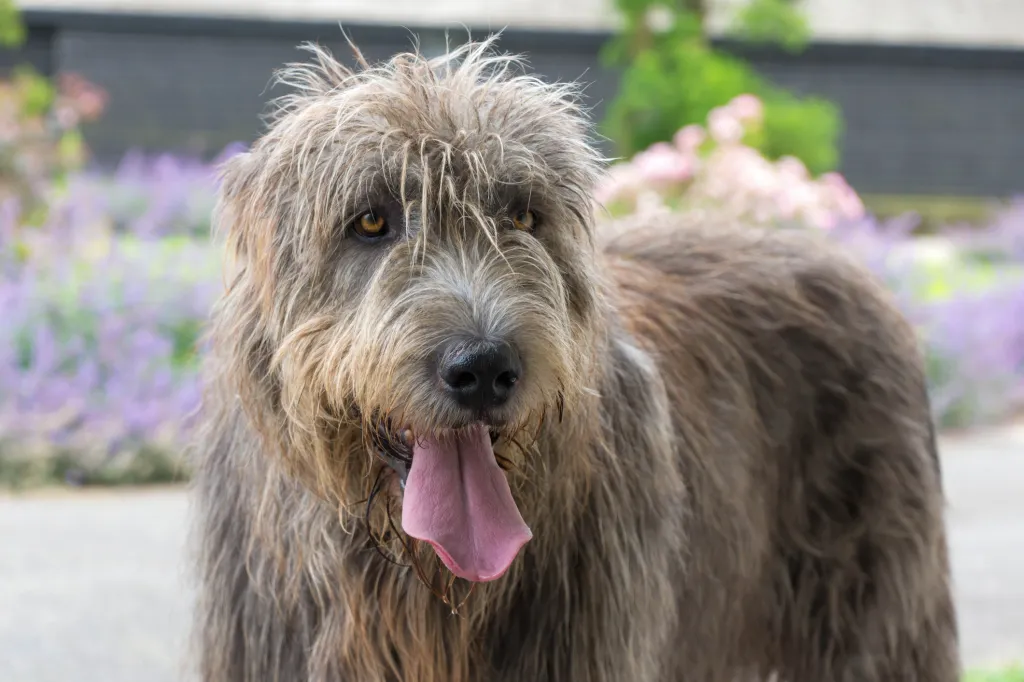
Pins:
x: 480, y: 374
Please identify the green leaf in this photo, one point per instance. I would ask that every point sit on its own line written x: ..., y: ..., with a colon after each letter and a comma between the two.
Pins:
x: 772, y: 21
x: 12, y: 30
x: 808, y: 129
x: 36, y: 91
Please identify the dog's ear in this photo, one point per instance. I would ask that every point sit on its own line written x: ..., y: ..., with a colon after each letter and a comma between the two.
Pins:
x: 245, y: 220
x: 235, y: 197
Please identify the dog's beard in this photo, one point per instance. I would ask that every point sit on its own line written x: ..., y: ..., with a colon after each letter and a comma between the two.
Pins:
x: 456, y: 498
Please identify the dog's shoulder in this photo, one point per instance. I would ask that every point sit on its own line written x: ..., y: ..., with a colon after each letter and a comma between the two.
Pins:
x: 686, y: 257
x: 686, y: 243
x: 717, y: 286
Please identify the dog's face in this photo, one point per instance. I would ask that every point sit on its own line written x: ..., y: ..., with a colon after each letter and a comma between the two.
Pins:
x: 419, y: 241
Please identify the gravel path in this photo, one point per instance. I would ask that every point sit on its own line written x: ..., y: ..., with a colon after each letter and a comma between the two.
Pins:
x: 93, y: 588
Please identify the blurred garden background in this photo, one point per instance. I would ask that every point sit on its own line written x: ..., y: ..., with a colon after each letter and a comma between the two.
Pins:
x: 895, y: 127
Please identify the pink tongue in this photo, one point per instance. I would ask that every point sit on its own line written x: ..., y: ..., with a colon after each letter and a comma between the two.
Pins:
x: 458, y: 500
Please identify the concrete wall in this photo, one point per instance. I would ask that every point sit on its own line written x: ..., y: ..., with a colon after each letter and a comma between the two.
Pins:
x: 914, y: 22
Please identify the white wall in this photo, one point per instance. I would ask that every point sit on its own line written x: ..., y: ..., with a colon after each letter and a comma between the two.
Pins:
x: 582, y: 14
x: 964, y: 22
x: 944, y: 22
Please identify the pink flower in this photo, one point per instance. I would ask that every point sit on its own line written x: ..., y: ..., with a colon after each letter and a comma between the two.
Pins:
x: 820, y: 218
x: 621, y: 179
x: 650, y: 203
x: 787, y: 204
x: 66, y: 116
x: 792, y: 167
x: 662, y: 164
x: 747, y: 108
x: 734, y: 181
x: 91, y: 104
x: 848, y: 202
x: 88, y: 99
x: 689, y: 138
x: 724, y: 126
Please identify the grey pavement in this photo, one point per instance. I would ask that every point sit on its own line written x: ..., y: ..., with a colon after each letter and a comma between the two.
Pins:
x: 93, y: 585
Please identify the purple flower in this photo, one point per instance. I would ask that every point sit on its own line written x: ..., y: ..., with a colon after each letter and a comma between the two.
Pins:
x: 99, y: 353
x: 99, y: 315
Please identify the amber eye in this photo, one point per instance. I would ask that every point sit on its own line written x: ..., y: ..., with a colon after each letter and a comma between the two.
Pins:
x: 371, y: 225
x: 525, y: 221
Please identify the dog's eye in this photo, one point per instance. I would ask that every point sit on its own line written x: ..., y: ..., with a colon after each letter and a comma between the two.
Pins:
x: 525, y: 221
x: 371, y: 225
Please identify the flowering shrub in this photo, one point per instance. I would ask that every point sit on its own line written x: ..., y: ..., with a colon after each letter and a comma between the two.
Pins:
x: 154, y: 196
x: 98, y: 358
x: 715, y: 169
x: 672, y: 76
x: 39, y: 134
x: 964, y: 291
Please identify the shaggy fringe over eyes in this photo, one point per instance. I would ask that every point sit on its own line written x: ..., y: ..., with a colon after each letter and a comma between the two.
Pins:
x: 331, y: 111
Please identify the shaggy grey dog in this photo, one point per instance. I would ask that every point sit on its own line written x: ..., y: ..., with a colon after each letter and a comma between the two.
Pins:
x: 457, y: 430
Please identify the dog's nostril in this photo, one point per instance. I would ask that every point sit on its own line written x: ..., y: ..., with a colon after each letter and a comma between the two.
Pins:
x: 506, y: 380
x: 463, y: 380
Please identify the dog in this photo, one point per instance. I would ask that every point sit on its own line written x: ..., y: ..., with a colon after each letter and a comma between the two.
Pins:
x: 458, y: 427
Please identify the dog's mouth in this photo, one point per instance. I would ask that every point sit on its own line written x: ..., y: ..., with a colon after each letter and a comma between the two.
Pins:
x: 456, y: 497
x: 395, y: 448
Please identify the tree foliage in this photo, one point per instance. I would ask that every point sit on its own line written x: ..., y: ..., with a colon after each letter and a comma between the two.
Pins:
x: 12, y: 30
x: 674, y: 77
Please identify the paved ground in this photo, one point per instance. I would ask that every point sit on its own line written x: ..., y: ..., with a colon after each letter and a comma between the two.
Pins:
x: 92, y: 587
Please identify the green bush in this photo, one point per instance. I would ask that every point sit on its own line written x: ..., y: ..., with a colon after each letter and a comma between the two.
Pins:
x: 673, y: 77
x: 12, y: 31
x: 1013, y: 674
x: 806, y: 128
x: 772, y: 21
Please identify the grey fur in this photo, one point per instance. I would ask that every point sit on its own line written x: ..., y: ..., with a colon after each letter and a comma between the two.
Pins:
x: 722, y: 441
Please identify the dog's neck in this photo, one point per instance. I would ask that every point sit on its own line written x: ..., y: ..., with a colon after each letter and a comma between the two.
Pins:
x: 576, y: 453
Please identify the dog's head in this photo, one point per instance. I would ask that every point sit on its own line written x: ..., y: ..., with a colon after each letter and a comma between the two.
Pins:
x: 413, y: 279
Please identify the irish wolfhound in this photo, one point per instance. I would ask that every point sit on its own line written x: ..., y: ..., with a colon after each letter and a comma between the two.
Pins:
x: 458, y: 432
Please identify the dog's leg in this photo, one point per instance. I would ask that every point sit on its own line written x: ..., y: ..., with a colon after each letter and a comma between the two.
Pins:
x: 873, y: 602
x: 249, y: 626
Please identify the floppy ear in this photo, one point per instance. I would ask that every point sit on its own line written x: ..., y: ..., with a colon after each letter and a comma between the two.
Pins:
x: 246, y: 221
x: 237, y: 178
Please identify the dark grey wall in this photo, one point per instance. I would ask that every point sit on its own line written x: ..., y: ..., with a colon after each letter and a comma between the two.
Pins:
x: 919, y: 120
x: 201, y: 90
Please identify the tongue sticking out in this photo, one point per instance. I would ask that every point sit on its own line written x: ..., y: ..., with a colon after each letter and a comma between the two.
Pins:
x: 458, y: 500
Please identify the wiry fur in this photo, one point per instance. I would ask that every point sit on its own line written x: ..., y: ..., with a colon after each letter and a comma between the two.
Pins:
x: 722, y: 440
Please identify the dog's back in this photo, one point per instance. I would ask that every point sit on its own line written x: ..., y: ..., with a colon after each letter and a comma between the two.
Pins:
x: 815, y: 544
